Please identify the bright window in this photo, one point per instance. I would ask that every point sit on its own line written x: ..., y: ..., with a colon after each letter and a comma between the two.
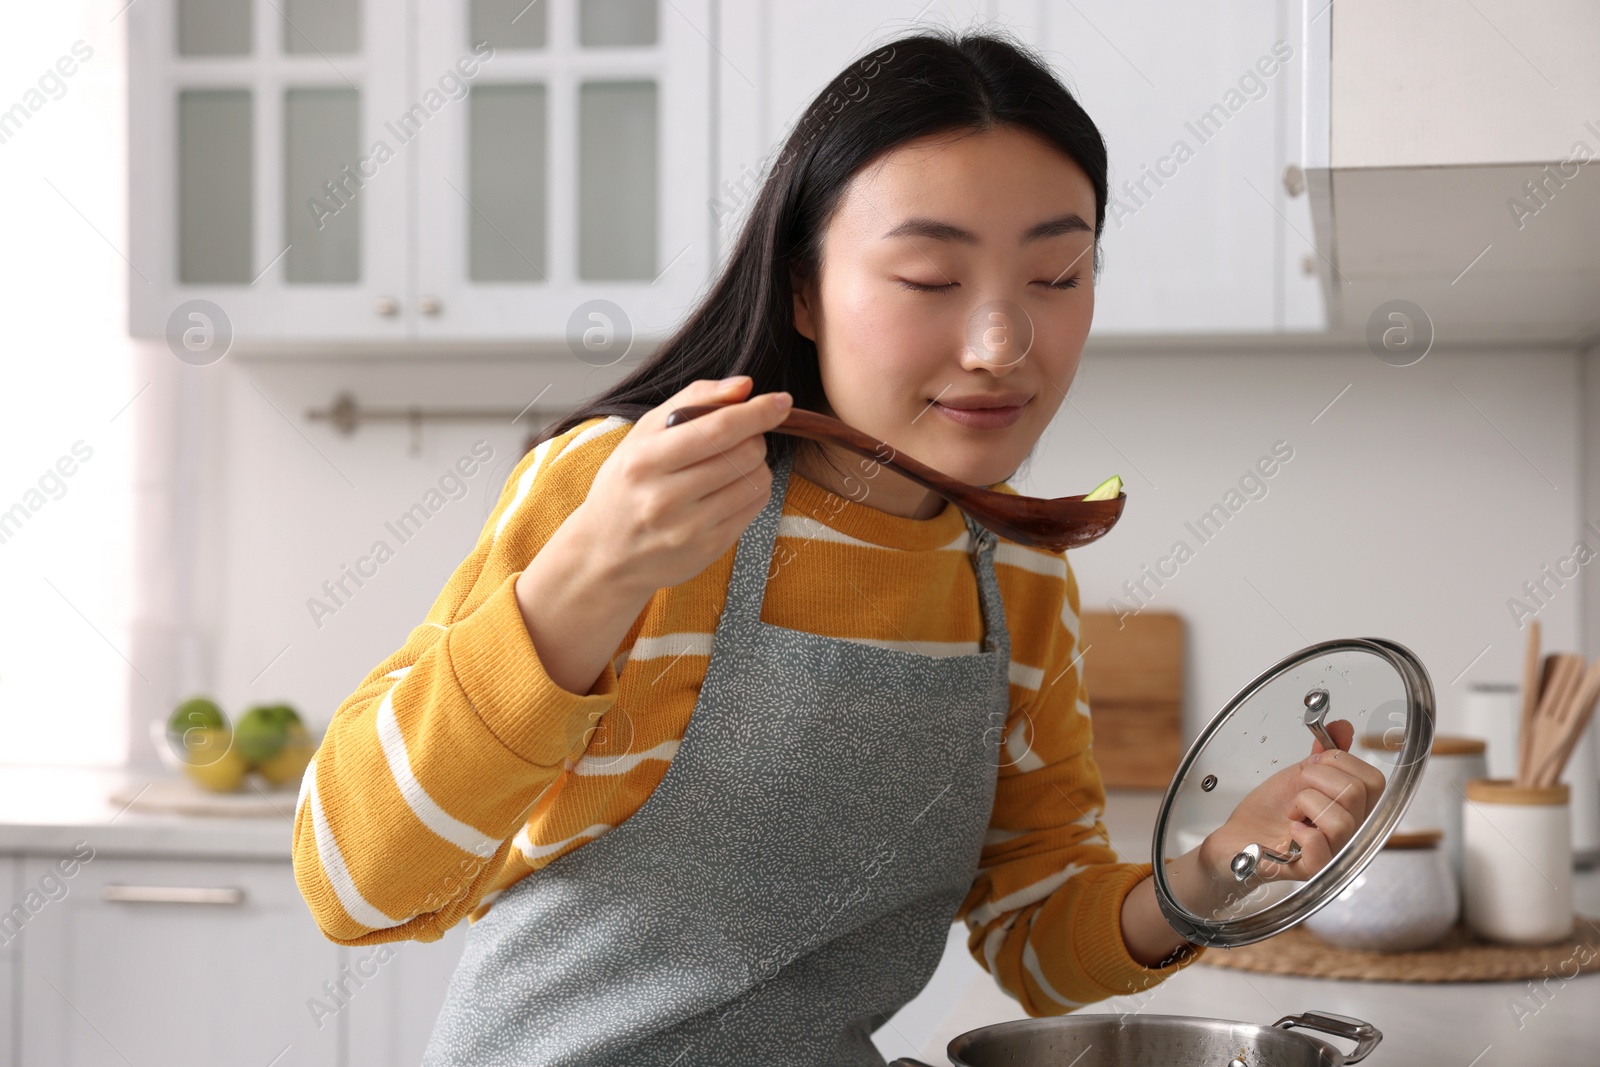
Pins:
x: 67, y: 390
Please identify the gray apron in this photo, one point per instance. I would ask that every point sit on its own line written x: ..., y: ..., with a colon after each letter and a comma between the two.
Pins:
x: 790, y: 883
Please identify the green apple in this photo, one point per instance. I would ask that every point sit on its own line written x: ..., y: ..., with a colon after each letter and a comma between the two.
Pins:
x: 261, y: 733
x: 1106, y: 490
x: 200, y: 713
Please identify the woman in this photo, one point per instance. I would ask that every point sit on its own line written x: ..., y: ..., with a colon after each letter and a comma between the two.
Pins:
x: 715, y: 733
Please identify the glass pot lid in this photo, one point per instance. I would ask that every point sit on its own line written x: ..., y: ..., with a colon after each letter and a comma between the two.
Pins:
x: 1246, y: 797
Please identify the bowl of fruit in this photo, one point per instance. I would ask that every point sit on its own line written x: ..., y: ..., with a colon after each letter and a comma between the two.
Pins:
x: 199, y: 741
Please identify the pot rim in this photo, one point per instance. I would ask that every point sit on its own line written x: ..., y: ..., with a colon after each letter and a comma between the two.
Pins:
x: 1363, y: 1033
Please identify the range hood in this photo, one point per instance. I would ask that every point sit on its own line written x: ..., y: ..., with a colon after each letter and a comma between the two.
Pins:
x: 1452, y: 155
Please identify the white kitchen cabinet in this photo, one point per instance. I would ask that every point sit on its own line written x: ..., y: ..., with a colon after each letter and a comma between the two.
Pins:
x: 571, y: 171
x: 249, y: 124
x: 1201, y: 240
x: 388, y: 1025
x: 177, y: 962
x: 566, y: 194
x: 376, y: 170
x: 1191, y: 129
x: 1448, y: 148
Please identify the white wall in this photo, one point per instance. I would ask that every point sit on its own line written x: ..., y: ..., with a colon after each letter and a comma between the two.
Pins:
x: 1404, y: 513
x: 277, y: 504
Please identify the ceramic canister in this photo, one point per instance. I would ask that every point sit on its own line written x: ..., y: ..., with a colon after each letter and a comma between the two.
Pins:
x: 1452, y: 763
x: 1493, y: 711
x: 1405, y: 899
x: 1518, y: 862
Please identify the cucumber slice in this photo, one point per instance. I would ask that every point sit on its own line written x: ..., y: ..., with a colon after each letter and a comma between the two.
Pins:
x: 1106, y: 490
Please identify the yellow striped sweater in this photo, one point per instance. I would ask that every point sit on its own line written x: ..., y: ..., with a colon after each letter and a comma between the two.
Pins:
x: 458, y: 767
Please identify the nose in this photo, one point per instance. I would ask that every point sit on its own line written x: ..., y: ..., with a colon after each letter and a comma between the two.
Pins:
x: 998, y: 336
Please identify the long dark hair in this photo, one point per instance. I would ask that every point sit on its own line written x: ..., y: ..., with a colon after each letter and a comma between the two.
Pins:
x: 928, y: 83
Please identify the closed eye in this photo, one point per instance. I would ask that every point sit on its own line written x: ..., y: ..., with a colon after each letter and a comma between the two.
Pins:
x: 920, y: 287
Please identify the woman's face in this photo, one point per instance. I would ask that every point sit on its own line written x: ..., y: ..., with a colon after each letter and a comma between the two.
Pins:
x: 956, y: 273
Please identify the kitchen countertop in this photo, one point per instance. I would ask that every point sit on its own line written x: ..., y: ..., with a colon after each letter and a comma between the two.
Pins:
x: 1459, y: 1024
x: 48, y: 809
x: 1467, y: 1024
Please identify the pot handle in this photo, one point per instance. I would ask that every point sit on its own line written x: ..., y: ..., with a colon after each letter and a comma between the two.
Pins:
x: 906, y: 1061
x: 1365, y: 1035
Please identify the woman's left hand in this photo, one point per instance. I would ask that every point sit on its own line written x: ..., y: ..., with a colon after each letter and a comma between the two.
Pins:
x: 1319, y: 802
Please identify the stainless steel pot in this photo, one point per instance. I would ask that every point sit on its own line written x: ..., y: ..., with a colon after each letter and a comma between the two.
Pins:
x: 1105, y: 1040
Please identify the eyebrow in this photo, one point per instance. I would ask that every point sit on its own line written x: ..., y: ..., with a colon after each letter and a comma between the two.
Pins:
x: 922, y: 226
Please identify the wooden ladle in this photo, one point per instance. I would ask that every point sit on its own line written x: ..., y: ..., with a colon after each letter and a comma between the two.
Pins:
x: 1055, y: 525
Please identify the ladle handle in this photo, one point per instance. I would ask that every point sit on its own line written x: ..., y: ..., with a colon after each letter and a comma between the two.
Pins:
x: 818, y: 427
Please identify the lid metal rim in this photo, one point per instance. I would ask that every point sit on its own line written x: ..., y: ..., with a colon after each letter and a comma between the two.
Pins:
x: 1350, y: 860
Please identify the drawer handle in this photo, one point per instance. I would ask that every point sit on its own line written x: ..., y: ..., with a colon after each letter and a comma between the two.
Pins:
x: 172, y: 894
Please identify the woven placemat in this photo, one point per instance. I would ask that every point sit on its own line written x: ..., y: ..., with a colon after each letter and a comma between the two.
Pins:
x: 1460, y: 957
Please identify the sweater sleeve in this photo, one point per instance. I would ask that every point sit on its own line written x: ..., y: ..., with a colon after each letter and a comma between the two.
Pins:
x: 1044, y: 915
x: 428, y: 770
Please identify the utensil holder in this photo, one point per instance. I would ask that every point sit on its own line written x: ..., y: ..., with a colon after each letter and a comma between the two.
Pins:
x: 1517, y: 848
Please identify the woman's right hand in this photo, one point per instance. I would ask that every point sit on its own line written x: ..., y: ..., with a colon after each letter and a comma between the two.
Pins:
x: 663, y: 506
x: 670, y: 501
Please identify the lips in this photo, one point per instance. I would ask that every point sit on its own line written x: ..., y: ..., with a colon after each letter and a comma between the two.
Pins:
x: 981, y: 402
x: 983, y: 413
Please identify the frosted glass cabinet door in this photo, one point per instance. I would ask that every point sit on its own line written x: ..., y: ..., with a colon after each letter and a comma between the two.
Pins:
x: 263, y: 173
x: 618, y: 172
x: 609, y: 23
x: 213, y: 27
x: 321, y: 146
x: 576, y: 171
x: 215, y: 186
x: 507, y: 144
x: 321, y: 27
x: 508, y: 23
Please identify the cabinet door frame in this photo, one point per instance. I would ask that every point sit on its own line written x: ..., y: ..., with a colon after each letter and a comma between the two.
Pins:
x: 10, y: 966
x: 267, y: 308
x: 499, y: 311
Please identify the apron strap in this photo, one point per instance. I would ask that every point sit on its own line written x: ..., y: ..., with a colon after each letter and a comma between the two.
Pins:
x: 752, y: 561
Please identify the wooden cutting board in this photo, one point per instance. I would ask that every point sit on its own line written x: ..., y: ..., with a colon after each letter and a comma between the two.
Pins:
x: 1134, y: 673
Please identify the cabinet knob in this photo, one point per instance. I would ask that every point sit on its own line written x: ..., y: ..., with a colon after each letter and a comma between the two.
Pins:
x: 386, y: 306
x: 429, y: 305
x: 1294, y: 179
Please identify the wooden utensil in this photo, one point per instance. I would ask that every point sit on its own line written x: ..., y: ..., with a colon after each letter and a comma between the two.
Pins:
x: 1568, y: 724
x: 1557, y: 686
x: 1530, y: 698
x: 1055, y: 525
